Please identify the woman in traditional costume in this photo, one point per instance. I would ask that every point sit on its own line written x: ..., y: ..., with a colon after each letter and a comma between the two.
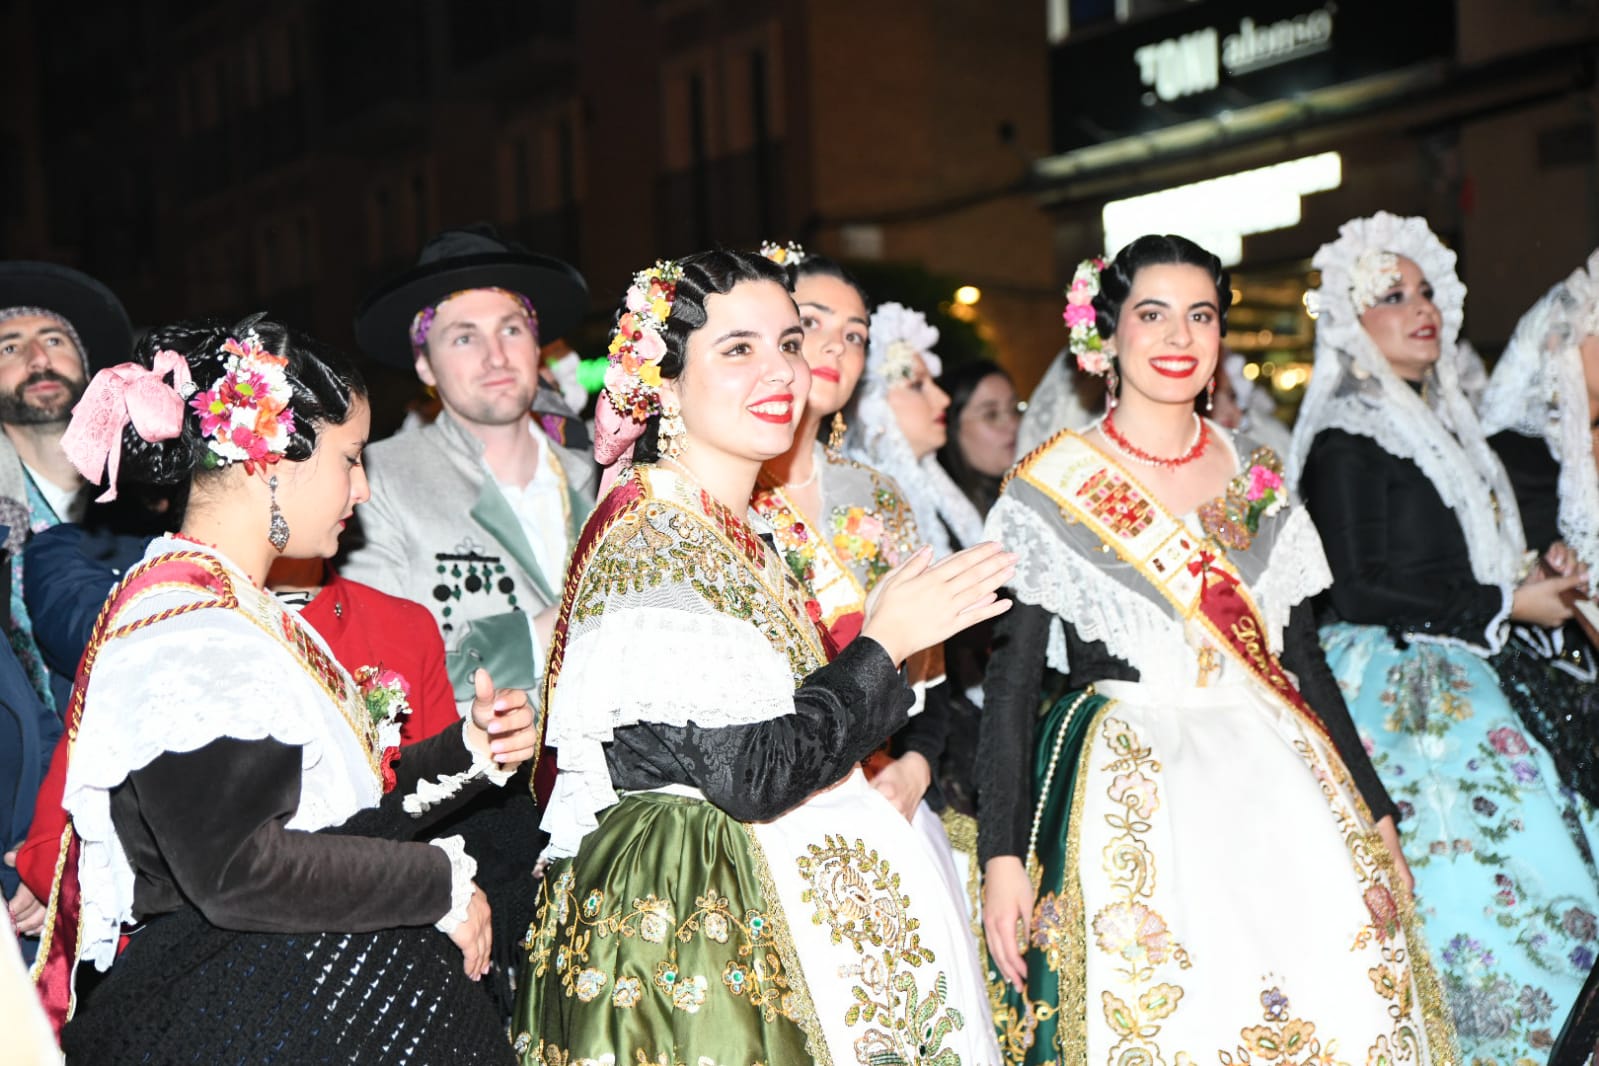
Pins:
x: 1425, y: 542
x: 237, y: 815
x: 840, y: 524
x: 1206, y: 874
x: 1540, y: 412
x: 725, y: 885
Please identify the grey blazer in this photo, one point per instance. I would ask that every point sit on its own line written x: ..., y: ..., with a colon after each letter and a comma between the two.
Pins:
x: 439, y: 531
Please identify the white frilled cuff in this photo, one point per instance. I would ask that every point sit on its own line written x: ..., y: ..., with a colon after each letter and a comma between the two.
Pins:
x: 430, y: 794
x: 462, y: 869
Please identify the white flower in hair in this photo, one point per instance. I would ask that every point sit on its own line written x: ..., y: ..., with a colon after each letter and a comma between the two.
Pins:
x: 1374, y: 273
x: 898, y: 335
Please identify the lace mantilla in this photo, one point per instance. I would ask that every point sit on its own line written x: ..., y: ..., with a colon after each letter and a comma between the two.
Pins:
x: 1354, y: 389
x: 875, y: 440
x: 176, y: 686
x: 1538, y: 390
x: 463, y: 868
x: 1053, y: 406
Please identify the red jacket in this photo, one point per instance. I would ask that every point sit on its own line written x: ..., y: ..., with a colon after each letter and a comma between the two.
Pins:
x: 363, y: 627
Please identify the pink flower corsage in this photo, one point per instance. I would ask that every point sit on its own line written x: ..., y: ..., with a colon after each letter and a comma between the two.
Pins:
x: 387, y: 696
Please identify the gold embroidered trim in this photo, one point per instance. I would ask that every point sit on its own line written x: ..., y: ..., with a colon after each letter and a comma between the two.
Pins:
x: 804, y: 1007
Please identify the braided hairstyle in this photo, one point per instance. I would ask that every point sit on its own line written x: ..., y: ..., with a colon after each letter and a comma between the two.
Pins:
x: 323, y: 385
x: 705, y: 274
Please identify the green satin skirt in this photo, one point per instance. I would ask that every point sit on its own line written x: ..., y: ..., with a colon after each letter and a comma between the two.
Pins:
x: 661, y: 944
x: 1029, y: 1026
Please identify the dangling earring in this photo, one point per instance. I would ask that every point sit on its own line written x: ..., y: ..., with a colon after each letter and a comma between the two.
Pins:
x: 278, y: 528
x: 1112, y: 384
x: 1210, y: 395
x: 835, y: 436
x: 672, y: 436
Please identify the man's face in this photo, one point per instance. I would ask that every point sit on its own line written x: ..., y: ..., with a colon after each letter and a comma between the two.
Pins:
x: 41, y: 372
x: 483, y: 358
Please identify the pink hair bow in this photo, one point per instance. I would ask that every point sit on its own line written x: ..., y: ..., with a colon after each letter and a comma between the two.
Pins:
x: 117, y: 396
x: 614, y: 437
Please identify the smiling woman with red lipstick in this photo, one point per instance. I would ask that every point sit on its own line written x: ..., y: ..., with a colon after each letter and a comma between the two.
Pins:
x: 1165, y: 572
x: 710, y: 818
x: 1425, y: 622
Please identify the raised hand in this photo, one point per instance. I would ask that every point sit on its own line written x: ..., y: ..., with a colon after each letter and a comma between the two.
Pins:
x: 501, y: 722
x: 920, y: 603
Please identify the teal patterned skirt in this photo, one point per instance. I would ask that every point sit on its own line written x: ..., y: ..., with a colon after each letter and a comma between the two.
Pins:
x: 1502, y: 853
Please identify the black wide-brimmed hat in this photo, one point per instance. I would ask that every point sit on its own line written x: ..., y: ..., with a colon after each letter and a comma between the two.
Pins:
x: 472, y: 257
x: 94, y: 311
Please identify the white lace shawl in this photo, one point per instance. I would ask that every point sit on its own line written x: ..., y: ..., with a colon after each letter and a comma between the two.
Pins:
x: 1538, y: 390
x: 176, y: 686
x: 1354, y: 389
x: 875, y: 439
x: 1054, y: 405
x: 1089, y: 589
x: 657, y: 652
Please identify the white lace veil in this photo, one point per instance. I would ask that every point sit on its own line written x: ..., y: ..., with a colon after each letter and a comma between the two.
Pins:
x: 1538, y: 390
x: 1354, y: 389
x: 1053, y: 406
x: 876, y: 440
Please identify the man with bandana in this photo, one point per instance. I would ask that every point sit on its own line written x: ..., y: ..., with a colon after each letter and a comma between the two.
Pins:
x: 52, y: 320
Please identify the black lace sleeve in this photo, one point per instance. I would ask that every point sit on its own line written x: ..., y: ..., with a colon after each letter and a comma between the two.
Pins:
x: 1302, y: 656
x: 842, y: 712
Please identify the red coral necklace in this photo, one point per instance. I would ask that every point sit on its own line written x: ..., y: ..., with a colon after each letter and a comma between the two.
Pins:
x: 1138, y: 455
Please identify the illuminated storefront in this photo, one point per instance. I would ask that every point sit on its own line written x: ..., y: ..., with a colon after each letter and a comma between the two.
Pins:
x: 1257, y: 126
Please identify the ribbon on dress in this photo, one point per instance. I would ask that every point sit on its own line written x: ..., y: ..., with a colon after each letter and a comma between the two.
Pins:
x: 1191, y: 573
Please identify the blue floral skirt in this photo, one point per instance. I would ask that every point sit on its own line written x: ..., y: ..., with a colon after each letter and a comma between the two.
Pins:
x: 1502, y: 852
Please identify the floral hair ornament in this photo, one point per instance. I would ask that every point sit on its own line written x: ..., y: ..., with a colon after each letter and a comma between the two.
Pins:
x: 1081, y: 318
x: 898, y: 335
x: 245, y: 414
x: 633, y: 380
x: 784, y: 255
x: 1373, y: 273
x: 120, y: 395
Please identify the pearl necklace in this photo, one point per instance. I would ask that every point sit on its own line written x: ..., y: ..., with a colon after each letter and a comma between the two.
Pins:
x: 1196, y: 447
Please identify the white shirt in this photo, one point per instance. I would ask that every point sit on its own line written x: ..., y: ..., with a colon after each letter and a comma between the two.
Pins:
x: 68, y: 504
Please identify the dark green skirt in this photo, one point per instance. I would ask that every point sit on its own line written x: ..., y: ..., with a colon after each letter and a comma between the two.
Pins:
x: 661, y: 944
x: 1030, y: 1027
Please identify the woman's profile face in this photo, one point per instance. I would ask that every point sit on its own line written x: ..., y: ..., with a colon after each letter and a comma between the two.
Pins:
x: 744, y: 382
x: 318, y: 496
x: 836, y: 332
x: 1405, y: 324
x: 986, y: 432
x: 1168, y: 335
x: 920, y: 407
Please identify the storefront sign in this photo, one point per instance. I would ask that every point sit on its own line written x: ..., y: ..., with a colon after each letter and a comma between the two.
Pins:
x: 1210, y: 57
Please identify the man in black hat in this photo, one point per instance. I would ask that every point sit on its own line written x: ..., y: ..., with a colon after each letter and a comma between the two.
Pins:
x: 475, y: 514
x: 52, y: 320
